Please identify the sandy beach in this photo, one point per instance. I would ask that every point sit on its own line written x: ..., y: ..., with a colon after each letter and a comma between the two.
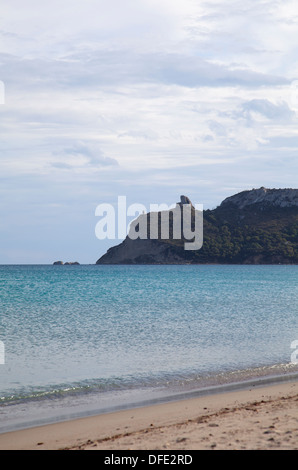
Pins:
x: 258, y: 418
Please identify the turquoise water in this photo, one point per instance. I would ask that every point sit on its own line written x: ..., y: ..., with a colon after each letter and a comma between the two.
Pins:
x: 86, y: 337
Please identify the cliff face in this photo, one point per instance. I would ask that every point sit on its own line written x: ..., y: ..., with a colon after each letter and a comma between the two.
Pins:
x: 143, y: 252
x: 252, y: 227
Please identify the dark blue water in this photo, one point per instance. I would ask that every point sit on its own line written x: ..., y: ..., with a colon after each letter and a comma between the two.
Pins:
x: 116, y: 334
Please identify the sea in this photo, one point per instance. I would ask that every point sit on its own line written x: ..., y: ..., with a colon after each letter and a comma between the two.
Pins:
x: 82, y: 340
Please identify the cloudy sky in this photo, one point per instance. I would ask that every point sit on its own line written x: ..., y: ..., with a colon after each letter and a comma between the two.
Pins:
x: 143, y: 98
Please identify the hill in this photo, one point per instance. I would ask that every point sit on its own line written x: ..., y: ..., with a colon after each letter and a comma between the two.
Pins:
x: 259, y: 226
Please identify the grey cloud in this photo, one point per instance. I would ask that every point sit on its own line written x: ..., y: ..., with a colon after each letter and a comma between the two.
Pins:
x: 8, y: 34
x: 207, y: 138
x: 61, y: 165
x: 280, y: 112
x: 192, y: 71
x: 77, y: 149
x: 217, y: 128
x: 106, y: 68
x: 284, y: 141
x: 100, y: 160
x: 94, y: 157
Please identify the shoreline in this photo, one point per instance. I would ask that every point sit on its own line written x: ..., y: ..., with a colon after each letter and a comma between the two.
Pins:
x: 262, y: 416
x: 38, y: 413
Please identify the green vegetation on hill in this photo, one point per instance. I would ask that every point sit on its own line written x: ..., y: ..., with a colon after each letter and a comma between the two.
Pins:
x: 251, y: 235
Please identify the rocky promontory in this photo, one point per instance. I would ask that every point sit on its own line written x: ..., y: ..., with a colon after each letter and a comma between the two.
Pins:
x: 259, y: 226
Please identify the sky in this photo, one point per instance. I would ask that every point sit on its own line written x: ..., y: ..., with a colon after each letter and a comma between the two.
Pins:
x: 139, y: 98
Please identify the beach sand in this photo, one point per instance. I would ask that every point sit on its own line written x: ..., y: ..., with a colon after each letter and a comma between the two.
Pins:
x: 258, y: 418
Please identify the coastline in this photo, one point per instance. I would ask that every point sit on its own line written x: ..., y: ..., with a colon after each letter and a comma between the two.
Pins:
x: 259, y: 417
x: 44, y: 409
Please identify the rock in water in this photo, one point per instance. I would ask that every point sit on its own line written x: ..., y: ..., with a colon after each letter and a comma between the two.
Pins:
x: 68, y: 263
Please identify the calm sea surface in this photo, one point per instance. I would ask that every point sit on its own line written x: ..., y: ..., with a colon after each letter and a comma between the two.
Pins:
x: 85, y: 339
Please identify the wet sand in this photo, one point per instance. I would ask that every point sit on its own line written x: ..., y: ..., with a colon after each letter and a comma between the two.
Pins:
x: 258, y: 418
